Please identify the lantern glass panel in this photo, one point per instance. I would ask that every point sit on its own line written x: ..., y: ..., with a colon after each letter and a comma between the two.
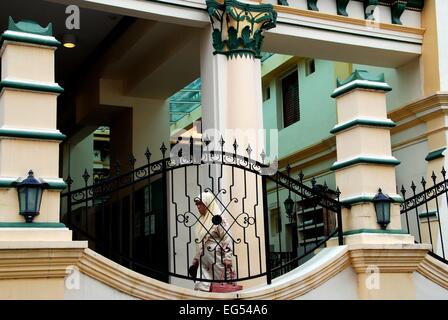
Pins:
x: 22, y: 200
x: 32, y: 199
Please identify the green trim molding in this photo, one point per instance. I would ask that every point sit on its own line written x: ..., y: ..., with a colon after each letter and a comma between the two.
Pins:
x: 250, y: 20
x: 368, y: 199
x: 32, y: 225
x: 32, y: 134
x: 57, y: 185
x: 363, y: 122
x: 365, y: 160
x: 436, y: 154
x: 30, y: 32
x: 360, y: 79
x: 375, y: 231
x: 31, y: 86
x: 426, y: 215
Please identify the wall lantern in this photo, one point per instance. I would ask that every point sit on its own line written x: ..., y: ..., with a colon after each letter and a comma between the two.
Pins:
x: 382, y: 207
x: 289, y: 206
x: 30, y: 196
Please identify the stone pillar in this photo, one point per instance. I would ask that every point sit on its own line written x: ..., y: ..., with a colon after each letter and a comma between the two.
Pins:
x: 35, y: 257
x: 364, y: 159
x: 380, y: 256
x: 232, y: 108
x: 231, y: 71
x: 29, y: 139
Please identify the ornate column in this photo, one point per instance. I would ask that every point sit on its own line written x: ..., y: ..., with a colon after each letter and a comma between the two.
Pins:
x: 235, y: 79
x: 232, y: 108
x: 364, y: 159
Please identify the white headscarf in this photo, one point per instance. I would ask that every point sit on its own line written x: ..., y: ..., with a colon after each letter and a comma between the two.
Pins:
x: 205, y: 221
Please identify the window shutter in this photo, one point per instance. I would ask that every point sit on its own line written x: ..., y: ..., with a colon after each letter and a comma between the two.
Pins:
x: 291, y: 103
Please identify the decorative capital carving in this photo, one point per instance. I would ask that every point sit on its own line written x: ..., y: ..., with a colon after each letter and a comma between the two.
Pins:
x: 397, y: 10
x: 238, y: 27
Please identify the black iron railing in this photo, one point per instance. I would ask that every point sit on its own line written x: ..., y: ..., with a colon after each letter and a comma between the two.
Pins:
x: 425, y: 213
x: 146, y: 218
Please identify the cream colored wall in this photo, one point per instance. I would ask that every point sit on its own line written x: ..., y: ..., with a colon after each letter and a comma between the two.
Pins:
x: 40, y: 68
x: 150, y: 128
x: 36, y: 289
x: 15, y: 155
x: 343, y: 286
x: 87, y: 288
x: 392, y: 286
x: 15, y: 110
x: 78, y: 156
x: 428, y: 290
x: 150, y: 119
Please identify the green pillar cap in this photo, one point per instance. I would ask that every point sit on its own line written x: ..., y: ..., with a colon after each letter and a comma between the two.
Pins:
x: 360, y: 79
x: 29, y: 26
x: 27, y: 31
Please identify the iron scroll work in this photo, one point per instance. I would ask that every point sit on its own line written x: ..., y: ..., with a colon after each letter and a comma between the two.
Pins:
x: 424, y: 213
x: 146, y: 219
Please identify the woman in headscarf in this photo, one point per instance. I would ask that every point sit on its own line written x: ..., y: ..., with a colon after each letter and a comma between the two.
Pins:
x: 213, y: 243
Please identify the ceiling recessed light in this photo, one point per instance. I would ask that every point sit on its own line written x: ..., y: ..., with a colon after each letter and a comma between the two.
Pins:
x: 69, y: 40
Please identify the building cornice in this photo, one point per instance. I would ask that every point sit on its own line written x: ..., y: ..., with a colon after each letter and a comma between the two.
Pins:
x: 45, y: 259
x: 388, y: 258
x: 434, y: 270
x: 348, y: 20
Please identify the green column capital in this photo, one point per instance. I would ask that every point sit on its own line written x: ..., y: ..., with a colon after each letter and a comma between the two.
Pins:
x: 238, y: 27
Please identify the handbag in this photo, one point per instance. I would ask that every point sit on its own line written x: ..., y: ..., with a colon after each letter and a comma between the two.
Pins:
x: 225, y: 286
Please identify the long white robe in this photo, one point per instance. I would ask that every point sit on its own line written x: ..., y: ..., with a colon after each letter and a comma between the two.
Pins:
x: 217, y: 248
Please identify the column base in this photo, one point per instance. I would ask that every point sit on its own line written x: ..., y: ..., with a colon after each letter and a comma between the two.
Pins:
x: 37, y: 270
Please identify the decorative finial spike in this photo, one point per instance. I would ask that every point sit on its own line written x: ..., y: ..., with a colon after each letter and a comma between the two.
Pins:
x: 86, y: 175
x: 301, y: 175
x: 148, y: 154
x: 433, y: 177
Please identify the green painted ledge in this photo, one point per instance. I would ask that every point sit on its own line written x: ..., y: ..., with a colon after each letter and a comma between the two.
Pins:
x: 52, y: 185
x: 360, y: 84
x: 365, y: 199
x: 425, y: 215
x: 22, y: 85
x: 32, y: 225
x: 365, y: 160
x: 375, y: 231
x: 29, y: 38
x: 13, y: 133
x: 436, y: 154
x: 363, y: 122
